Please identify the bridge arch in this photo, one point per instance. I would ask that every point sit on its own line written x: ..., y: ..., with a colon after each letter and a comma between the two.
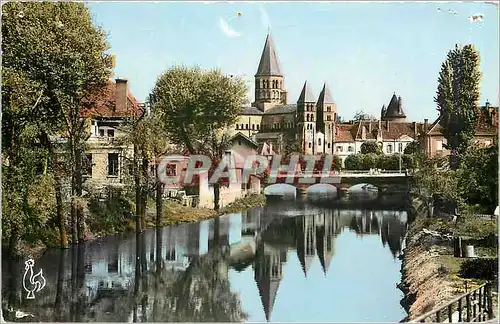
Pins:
x: 280, y: 189
x: 322, y: 188
x: 363, y: 187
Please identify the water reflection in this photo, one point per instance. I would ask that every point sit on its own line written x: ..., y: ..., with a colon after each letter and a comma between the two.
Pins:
x: 190, y: 272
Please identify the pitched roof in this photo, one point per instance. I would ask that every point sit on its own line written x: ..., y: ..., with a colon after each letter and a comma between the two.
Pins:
x: 246, y: 138
x: 306, y: 94
x: 103, y: 104
x: 267, y: 291
x: 396, y: 130
x: 344, y: 132
x: 325, y: 96
x: 269, y: 64
x: 395, y: 109
x: 282, y: 109
x: 250, y: 111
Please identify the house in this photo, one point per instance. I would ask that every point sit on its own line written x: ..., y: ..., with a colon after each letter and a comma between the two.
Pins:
x: 434, y: 142
x: 105, y: 157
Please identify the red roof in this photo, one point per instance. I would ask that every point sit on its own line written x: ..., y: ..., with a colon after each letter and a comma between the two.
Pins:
x: 103, y: 104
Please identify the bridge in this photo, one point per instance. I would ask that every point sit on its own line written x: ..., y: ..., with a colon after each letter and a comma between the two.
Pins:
x: 342, y: 181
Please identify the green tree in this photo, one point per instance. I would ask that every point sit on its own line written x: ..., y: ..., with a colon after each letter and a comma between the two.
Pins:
x: 360, y: 115
x: 354, y: 162
x: 371, y: 147
x: 412, y: 148
x: 56, y: 47
x: 195, y: 104
x: 457, y: 96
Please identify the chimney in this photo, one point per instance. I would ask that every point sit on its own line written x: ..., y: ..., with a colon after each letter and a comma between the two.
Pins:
x: 415, y: 128
x: 387, y: 124
x: 121, y: 94
x: 363, y: 132
x: 487, y: 104
x: 380, y: 125
x: 369, y: 127
x: 426, y: 125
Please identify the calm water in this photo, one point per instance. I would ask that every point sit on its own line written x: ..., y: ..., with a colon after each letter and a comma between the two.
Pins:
x: 289, y: 261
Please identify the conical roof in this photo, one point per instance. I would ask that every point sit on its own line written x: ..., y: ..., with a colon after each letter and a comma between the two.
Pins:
x: 269, y: 63
x: 267, y: 291
x: 325, y: 97
x: 306, y: 94
x: 394, y: 109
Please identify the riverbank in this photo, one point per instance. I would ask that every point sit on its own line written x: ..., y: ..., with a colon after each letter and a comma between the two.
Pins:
x: 108, y: 219
x: 431, y: 275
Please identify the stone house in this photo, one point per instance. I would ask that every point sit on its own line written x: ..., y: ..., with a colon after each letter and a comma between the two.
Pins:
x: 105, y: 157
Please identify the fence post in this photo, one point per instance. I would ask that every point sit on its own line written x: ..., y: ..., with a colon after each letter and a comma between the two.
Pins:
x: 490, y: 300
x: 467, y: 300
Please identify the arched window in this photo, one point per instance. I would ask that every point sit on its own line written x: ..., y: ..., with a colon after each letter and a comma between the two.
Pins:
x: 328, y: 145
x: 241, y: 126
x: 258, y: 126
x: 237, y: 126
x: 310, y: 145
x: 246, y: 126
x: 319, y: 141
x: 253, y: 126
x: 307, y: 118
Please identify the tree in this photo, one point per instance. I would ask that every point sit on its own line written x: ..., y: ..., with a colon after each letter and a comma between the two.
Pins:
x: 195, y: 104
x: 360, y: 115
x: 457, y: 96
x: 412, y: 148
x: 56, y: 47
x: 370, y: 147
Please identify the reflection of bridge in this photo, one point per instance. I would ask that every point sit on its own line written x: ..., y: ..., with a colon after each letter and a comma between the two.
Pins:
x: 342, y: 181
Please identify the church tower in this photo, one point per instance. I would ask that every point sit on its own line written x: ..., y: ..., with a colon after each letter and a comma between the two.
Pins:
x: 269, y: 80
x: 326, y: 113
x: 306, y: 120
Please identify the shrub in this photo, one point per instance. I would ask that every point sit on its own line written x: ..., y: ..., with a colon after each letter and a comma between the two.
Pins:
x: 479, y: 269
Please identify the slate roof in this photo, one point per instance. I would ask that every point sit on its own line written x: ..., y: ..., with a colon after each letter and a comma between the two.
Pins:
x: 246, y: 138
x: 269, y: 63
x: 306, y: 94
x: 251, y: 111
x: 325, y: 96
x: 282, y: 109
x: 395, y: 108
x: 267, y: 291
x: 103, y: 104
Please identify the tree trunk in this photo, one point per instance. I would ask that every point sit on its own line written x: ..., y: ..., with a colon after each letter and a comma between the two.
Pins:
x: 80, y: 221
x: 14, y: 241
x: 216, y: 195
x: 159, y: 197
x: 145, y: 184
x: 137, y: 180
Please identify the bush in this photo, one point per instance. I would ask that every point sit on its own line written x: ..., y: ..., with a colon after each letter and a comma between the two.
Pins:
x: 479, y: 269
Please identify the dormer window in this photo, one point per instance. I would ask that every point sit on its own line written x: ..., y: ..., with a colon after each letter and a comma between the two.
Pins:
x: 111, y: 133
x: 101, y: 132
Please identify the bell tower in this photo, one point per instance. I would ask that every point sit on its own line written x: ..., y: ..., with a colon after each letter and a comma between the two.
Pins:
x: 306, y: 120
x: 269, y: 80
x: 326, y: 113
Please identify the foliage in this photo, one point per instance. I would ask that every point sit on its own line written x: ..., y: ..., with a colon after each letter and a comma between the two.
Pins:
x: 478, y: 176
x: 480, y: 269
x: 193, y: 102
x: 371, y: 147
x: 412, y: 148
x: 375, y: 161
x: 361, y: 115
x: 457, y: 96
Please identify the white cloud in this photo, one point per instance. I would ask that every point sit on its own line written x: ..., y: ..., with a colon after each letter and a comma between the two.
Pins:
x: 226, y: 29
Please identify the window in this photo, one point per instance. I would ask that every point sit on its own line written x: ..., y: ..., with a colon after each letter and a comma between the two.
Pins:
x: 328, y: 145
x: 253, y: 126
x: 87, y: 165
x: 328, y: 118
x: 400, y: 147
x: 171, y: 170
x: 339, y: 148
x: 241, y: 126
x: 239, y: 142
x: 111, y: 133
x: 319, y: 141
x: 328, y: 109
x: 113, y: 164
x: 237, y: 126
x: 310, y: 144
x: 246, y: 126
x: 101, y: 132
x: 389, y: 148
x: 258, y: 126
x: 350, y: 149
x: 439, y: 145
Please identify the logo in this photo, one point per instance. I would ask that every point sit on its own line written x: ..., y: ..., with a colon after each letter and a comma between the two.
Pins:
x: 32, y: 282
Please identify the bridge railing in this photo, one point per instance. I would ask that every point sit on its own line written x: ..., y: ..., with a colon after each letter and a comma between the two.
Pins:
x: 473, y: 306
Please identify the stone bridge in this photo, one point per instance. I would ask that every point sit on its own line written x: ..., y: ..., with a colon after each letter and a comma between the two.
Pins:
x: 383, y: 180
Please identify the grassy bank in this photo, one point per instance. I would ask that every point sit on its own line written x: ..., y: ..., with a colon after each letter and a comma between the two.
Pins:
x: 431, y: 275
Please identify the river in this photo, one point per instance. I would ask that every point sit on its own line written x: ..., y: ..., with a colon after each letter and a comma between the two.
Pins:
x: 291, y: 260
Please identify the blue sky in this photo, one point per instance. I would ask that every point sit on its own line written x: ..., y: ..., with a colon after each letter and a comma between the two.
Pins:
x: 364, y: 51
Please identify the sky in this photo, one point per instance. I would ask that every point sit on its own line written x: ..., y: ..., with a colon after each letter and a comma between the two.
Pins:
x: 364, y: 51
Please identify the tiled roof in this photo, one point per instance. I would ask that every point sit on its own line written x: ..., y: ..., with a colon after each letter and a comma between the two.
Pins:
x: 325, y: 96
x: 103, y: 104
x: 282, y: 109
x: 269, y: 63
x: 344, y: 132
x: 351, y: 132
x: 306, y: 94
x: 251, y: 111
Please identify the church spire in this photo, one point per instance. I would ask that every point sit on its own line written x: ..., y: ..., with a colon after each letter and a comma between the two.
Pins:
x: 269, y: 64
